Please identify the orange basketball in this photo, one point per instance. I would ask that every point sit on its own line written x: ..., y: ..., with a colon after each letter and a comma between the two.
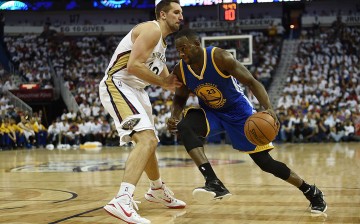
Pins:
x: 260, y: 128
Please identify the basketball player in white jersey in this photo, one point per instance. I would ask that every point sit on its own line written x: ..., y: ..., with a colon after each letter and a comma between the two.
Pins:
x: 139, y: 60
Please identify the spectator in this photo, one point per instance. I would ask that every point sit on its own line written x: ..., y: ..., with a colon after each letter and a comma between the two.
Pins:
x: 322, y: 131
x: 28, y: 131
x: 53, y: 134
x: 337, y: 132
x: 349, y: 131
x: 73, y: 135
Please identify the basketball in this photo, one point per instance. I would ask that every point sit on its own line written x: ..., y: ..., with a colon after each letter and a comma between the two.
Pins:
x: 260, y: 128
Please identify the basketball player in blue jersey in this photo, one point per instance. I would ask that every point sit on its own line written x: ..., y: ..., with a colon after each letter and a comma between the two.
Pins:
x: 139, y: 60
x: 213, y: 74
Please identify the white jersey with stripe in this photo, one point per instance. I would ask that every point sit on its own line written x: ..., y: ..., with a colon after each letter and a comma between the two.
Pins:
x: 117, y: 68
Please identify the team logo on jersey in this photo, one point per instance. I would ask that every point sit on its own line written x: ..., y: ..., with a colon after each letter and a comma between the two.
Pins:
x: 130, y: 124
x: 211, y: 95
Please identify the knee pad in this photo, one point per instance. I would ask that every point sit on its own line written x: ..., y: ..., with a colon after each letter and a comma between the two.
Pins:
x: 192, y: 129
x: 269, y: 165
x: 188, y: 136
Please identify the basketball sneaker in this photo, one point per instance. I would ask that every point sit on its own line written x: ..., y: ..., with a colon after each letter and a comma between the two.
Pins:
x: 316, y: 198
x: 164, y: 195
x: 122, y: 207
x: 213, y: 190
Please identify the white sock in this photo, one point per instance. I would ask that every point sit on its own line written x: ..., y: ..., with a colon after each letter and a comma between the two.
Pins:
x: 126, y: 188
x: 155, y: 184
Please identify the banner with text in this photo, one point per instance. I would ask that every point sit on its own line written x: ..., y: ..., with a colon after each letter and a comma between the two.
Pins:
x: 241, y: 24
x: 72, y: 29
x: 32, y: 95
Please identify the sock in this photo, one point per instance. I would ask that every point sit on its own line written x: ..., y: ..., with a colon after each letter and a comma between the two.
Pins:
x: 305, y: 187
x: 156, y: 184
x: 207, y: 171
x: 126, y: 188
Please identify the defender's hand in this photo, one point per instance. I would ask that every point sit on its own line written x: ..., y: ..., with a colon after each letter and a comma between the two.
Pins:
x: 171, y: 82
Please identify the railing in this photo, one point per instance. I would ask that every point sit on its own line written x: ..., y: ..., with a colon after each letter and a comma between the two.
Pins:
x: 56, y: 80
x: 61, y: 89
x: 289, y: 49
x: 68, y: 97
x: 17, y: 102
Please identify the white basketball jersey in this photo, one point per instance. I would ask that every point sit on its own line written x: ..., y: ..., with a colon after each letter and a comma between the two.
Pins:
x: 117, y: 68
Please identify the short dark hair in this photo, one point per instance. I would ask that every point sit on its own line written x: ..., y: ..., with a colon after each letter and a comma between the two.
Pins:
x: 164, y: 5
x: 188, y: 33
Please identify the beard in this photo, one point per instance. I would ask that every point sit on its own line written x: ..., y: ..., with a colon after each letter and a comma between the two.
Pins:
x: 173, y: 27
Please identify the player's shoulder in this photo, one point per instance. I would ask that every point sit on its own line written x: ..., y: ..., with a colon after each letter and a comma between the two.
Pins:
x: 148, y: 26
x: 220, y: 55
x: 150, y: 31
x: 219, y: 52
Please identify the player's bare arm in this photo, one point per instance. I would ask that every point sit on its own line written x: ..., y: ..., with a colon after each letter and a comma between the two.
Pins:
x: 230, y: 66
x: 169, y: 78
x: 145, y: 37
x: 181, y: 95
x: 165, y: 72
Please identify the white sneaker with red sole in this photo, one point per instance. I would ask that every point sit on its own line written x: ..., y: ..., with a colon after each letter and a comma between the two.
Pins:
x: 122, y: 207
x: 164, y: 196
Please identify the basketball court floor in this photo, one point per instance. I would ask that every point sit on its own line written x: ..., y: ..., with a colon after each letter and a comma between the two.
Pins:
x: 42, y: 186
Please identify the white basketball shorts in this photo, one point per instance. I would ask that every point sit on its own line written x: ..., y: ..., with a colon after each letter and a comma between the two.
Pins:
x: 129, y: 107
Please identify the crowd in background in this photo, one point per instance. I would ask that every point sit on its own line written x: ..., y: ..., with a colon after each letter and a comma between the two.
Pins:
x: 320, y: 101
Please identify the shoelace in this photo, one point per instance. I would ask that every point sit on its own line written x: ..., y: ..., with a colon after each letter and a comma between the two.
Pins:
x: 168, y: 193
x: 134, y: 203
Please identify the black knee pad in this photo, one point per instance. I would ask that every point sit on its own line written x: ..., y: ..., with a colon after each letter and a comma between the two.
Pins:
x: 269, y: 165
x: 192, y: 129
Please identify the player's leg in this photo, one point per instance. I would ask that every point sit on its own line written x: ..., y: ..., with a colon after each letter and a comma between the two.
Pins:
x: 158, y: 191
x: 125, y: 108
x: 144, y: 149
x: 264, y: 160
x: 194, y: 126
x: 261, y: 156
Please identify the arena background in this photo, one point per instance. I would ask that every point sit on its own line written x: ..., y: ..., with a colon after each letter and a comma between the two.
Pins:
x: 53, y: 55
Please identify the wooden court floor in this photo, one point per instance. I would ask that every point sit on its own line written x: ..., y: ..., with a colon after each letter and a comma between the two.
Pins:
x: 42, y: 186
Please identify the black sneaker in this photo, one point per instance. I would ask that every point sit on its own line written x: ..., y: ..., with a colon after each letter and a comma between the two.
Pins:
x: 316, y: 198
x: 213, y: 190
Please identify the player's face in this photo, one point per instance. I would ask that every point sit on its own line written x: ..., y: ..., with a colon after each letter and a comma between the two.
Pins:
x: 174, y: 17
x: 185, y: 49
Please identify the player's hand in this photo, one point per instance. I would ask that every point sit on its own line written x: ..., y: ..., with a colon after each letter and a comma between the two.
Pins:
x: 171, y: 82
x: 273, y: 114
x: 172, y: 124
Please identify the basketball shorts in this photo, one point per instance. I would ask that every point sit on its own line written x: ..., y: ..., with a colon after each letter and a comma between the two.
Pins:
x: 232, y: 121
x: 129, y: 107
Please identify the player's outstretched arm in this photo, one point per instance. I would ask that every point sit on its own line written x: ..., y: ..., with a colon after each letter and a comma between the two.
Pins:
x: 230, y: 66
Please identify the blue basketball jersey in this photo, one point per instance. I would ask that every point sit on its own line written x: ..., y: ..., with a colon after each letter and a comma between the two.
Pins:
x: 225, y: 105
x: 214, y: 89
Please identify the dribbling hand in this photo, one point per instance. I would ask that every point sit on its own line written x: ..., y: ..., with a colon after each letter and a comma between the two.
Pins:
x: 273, y: 114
